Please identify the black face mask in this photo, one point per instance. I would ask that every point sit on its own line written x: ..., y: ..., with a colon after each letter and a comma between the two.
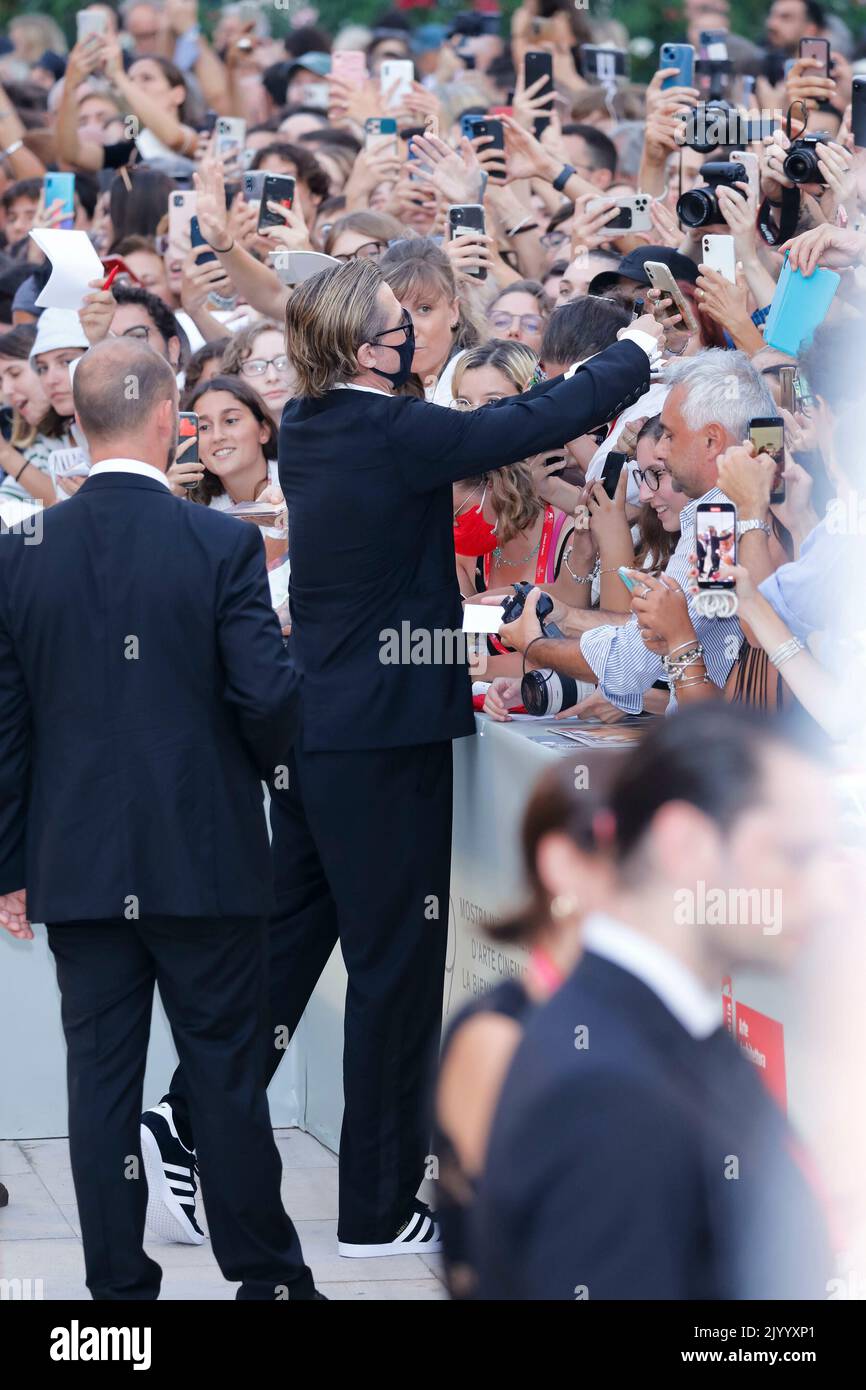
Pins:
x: 405, y: 352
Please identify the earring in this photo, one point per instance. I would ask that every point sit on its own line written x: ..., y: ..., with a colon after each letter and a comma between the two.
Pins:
x: 562, y: 906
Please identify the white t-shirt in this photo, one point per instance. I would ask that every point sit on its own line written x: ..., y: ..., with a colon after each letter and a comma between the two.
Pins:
x: 278, y: 577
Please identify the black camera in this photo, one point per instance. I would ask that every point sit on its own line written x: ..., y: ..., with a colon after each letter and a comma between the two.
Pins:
x: 700, y: 206
x: 801, y: 161
x: 708, y: 125
x: 542, y: 692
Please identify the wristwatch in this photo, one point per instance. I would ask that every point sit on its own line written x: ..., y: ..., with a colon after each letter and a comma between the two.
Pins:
x: 563, y: 176
x: 753, y: 525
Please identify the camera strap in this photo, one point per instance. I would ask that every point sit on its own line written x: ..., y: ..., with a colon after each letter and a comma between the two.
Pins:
x: 774, y: 234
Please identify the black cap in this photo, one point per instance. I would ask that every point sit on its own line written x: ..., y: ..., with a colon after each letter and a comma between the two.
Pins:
x: 631, y: 267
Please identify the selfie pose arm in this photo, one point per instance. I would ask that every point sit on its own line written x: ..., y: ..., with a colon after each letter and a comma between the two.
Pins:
x: 255, y: 282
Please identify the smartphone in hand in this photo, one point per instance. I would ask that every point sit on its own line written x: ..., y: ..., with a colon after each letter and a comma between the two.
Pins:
x: 768, y: 437
x: 716, y: 542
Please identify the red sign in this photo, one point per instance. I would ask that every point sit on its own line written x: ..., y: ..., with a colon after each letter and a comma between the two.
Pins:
x: 762, y: 1039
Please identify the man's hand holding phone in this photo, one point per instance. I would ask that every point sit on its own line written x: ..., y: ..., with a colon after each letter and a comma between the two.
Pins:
x: 747, y: 479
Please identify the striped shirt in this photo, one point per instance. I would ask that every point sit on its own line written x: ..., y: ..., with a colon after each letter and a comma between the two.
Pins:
x: 623, y: 664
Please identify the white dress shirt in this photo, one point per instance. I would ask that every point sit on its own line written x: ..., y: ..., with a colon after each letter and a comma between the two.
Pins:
x: 143, y: 470
x: 678, y: 988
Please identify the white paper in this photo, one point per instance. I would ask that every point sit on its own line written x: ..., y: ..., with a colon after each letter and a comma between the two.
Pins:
x: 482, y: 617
x: 74, y: 263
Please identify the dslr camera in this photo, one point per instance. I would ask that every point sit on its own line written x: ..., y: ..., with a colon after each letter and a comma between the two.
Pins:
x: 543, y: 693
x: 801, y: 161
x: 707, y: 126
x: 700, y: 206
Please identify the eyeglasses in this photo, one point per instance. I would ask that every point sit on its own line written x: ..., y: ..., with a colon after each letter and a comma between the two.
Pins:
x: 370, y: 251
x: 650, y: 476
x: 257, y: 366
x: 139, y: 330
x: 530, y: 323
x: 404, y: 326
x: 461, y: 403
x: 550, y: 240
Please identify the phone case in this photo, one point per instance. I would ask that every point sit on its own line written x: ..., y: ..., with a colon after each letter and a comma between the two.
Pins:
x: 858, y: 112
x: 660, y: 278
x: 398, y: 70
x: 678, y: 55
x: 799, y: 306
x: 640, y: 214
x: 720, y: 254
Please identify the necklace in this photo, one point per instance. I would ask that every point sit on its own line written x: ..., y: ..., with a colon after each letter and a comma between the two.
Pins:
x: 499, y: 556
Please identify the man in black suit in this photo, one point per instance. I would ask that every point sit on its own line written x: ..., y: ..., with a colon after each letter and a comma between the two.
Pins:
x: 144, y: 693
x: 635, y: 1153
x: 362, y: 833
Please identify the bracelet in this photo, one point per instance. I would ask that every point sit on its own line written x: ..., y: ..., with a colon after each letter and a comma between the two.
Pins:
x: 563, y: 176
x: 690, y: 645
x: 694, y: 680
x: 785, y: 652
x: 581, y: 578
x: 13, y: 148
x: 523, y: 226
x: 527, y: 648
x: 222, y: 250
x: 25, y: 464
x: 675, y: 667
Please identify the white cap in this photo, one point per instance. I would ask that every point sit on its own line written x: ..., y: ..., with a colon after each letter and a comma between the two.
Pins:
x: 58, y: 328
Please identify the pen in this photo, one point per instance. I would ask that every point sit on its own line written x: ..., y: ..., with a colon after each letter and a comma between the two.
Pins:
x: 112, y: 275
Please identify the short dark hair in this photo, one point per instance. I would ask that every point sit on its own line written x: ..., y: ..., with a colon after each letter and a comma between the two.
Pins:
x: 815, y: 13
x: 600, y: 148
x: 309, y: 170
x: 581, y: 328
x: 157, y: 309
x: 337, y: 139
x: 307, y: 39
x: 22, y: 188
x: 100, y: 386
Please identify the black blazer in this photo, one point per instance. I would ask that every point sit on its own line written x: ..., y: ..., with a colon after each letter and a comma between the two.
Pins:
x: 367, y: 478
x: 144, y: 692
x: 609, y: 1166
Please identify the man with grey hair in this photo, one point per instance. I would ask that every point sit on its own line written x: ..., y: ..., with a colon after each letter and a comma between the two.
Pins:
x: 711, y: 400
x: 142, y: 842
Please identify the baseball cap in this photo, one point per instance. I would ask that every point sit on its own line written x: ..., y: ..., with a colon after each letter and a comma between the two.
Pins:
x: 319, y: 63
x: 631, y: 267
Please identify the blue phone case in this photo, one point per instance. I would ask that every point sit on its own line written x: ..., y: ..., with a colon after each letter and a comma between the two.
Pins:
x: 678, y: 55
x: 799, y: 306
x: 61, y: 186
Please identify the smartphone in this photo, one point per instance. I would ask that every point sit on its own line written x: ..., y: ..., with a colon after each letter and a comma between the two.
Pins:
x: 716, y: 542
x: 748, y: 87
x: 633, y: 215
x: 89, y: 22
x: 626, y: 578
x: 350, y: 65
x: 254, y: 182
x: 817, y: 48
x: 713, y: 45
x: 380, y: 132
x: 277, y: 188
x: 468, y: 124
x: 535, y: 66
x: 768, y: 437
x: 401, y: 71
x: 231, y: 136
x: 187, y: 428
x: 463, y: 219
x: 720, y: 254
x: 610, y: 474
x: 858, y: 111
x: 786, y: 388
x: 803, y: 398
x: 110, y: 262
x: 602, y: 62
x: 682, y: 57
x: 799, y: 305
x: 494, y: 131
x: 661, y: 278
x: 7, y: 422
x: 61, y: 187
x: 196, y: 239
x: 752, y: 167
x: 181, y: 210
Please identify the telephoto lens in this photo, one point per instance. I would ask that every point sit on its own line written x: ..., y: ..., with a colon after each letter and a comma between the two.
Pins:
x: 546, y: 693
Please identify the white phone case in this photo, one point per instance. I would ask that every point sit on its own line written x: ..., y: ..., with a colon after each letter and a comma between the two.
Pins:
x: 720, y: 254
x: 639, y: 204
x: 401, y: 71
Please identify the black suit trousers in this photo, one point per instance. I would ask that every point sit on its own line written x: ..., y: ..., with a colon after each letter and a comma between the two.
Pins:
x: 362, y: 853
x: 212, y: 978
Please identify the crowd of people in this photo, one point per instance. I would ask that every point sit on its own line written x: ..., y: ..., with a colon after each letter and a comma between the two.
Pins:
x: 570, y: 299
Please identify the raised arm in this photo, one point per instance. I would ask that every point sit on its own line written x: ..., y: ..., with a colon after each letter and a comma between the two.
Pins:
x: 258, y: 285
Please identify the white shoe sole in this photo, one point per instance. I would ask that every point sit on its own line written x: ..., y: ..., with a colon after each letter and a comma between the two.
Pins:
x: 166, y: 1217
x: 391, y: 1247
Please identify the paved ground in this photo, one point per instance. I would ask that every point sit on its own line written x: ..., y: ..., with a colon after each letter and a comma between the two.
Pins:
x: 39, y: 1234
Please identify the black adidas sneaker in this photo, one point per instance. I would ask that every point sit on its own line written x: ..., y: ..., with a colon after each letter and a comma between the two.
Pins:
x: 419, y: 1235
x: 171, y: 1184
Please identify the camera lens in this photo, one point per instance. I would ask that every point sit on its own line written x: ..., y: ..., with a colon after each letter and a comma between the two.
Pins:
x: 544, y: 693
x: 802, y: 167
x: 698, y: 208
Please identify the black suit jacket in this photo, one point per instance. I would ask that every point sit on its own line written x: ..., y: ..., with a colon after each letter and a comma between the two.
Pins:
x: 367, y: 478
x: 144, y: 692
x: 611, y: 1167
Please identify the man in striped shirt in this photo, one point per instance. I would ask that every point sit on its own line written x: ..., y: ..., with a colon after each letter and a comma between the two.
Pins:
x: 712, y: 399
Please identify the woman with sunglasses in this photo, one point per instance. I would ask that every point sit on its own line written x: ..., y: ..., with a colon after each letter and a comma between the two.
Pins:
x: 519, y: 312
x: 362, y: 236
x: 257, y: 354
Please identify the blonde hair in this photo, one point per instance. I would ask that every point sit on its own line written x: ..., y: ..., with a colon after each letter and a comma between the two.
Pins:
x: 417, y: 266
x: 328, y: 317
x: 512, y: 490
